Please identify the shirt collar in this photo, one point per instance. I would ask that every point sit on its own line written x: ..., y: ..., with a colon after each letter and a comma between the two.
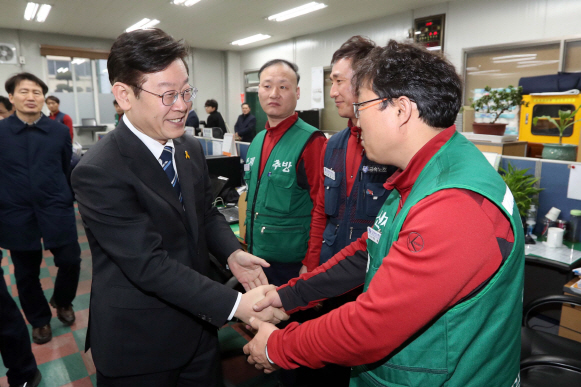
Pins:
x: 154, y: 146
x: 55, y: 114
x: 406, y: 178
x: 284, y: 124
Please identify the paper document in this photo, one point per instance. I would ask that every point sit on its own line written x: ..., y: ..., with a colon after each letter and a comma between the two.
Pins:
x: 574, y: 188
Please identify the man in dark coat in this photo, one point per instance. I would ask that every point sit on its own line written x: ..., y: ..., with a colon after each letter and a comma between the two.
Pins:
x: 146, y: 200
x: 245, y: 127
x: 214, y: 119
x: 36, y: 203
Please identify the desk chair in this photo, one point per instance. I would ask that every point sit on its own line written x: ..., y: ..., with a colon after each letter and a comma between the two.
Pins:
x: 546, y: 359
x: 217, y: 133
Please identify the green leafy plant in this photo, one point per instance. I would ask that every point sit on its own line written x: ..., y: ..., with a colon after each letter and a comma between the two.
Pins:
x: 522, y: 187
x: 498, y: 101
x: 566, y: 118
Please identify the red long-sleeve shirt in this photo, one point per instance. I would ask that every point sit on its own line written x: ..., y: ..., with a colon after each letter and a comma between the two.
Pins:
x: 67, y: 120
x: 353, y: 158
x: 308, y: 166
x: 461, y: 251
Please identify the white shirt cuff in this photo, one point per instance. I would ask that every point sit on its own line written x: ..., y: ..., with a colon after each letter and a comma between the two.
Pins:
x: 235, y: 306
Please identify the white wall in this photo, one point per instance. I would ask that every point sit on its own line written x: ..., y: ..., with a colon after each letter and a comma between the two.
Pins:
x: 235, y: 87
x: 469, y: 24
x: 208, y: 74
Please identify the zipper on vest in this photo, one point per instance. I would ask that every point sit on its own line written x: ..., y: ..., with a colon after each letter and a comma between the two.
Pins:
x: 250, y: 244
x: 350, y: 232
x: 296, y: 228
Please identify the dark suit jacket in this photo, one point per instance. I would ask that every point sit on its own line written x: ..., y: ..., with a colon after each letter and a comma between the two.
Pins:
x: 215, y: 120
x: 150, y: 298
x: 193, y: 119
x: 35, y: 198
x: 246, y: 127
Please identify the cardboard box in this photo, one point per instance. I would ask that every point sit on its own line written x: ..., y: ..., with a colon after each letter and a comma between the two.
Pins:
x: 570, y: 326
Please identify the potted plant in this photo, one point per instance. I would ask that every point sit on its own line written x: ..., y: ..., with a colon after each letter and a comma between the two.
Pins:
x: 523, y: 190
x: 560, y: 151
x: 496, y: 102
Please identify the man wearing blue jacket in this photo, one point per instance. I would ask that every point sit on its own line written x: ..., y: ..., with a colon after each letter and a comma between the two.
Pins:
x: 36, y: 203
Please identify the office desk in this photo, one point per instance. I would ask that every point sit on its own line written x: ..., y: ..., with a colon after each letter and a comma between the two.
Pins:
x: 545, y: 276
x: 514, y: 148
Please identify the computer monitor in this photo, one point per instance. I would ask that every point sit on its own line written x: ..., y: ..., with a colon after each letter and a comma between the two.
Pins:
x: 226, y: 166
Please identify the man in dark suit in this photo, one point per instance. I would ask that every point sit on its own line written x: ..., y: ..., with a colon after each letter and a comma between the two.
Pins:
x: 214, y: 119
x: 193, y: 119
x: 245, y: 127
x: 146, y: 201
x: 36, y: 203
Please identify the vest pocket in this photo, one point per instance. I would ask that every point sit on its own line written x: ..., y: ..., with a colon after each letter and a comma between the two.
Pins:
x: 289, y: 243
x: 279, y: 193
x: 375, y: 195
x: 332, y: 194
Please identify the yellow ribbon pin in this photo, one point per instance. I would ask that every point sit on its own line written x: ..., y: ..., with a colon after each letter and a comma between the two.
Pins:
x: 187, y: 155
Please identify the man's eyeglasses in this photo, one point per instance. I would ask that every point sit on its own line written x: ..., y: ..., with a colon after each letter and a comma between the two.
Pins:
x: 357, y: 106
x: 170, y: 97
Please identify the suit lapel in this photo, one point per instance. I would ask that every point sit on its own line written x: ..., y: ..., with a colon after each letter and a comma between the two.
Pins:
x: 186, y: 173
x: 147, y: 168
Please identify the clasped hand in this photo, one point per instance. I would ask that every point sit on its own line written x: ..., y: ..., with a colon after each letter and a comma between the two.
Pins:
x: 263, y: 310
x: 256, y: 348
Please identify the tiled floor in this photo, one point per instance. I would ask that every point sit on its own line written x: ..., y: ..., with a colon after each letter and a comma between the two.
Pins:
x: 63, y: 361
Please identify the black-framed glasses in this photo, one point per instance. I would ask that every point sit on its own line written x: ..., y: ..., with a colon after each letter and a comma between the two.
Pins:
x: 357, y: 106
x: 170, y: 97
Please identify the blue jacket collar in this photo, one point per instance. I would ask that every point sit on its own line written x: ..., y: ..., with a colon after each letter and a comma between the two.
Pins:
x: 16, y: 124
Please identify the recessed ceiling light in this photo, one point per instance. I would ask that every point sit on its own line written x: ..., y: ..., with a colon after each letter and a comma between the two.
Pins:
x: 43, y: 13
x: 185, y: 3
x: 37, y: 12
x: 30, y: 11
x: 250, y: 39
x: 143, y: 24
x: 298, y: 11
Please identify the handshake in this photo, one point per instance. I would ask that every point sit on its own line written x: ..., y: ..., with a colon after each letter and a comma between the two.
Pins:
x: 260, y: 308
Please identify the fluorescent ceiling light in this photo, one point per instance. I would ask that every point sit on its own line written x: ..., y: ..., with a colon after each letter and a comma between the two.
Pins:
x: 78, y: 61
x: 30, y: 11
x: 43, y: 13
x: 250, y: 39
x: 298, y: 11
x: 417, y: 32
x: 143, y: 24
x: 62, y: 70
x: 433, y: 48
x: 38, y: 11
x: 185, y: 3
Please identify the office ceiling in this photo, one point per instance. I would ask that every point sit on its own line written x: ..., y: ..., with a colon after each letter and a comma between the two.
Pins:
x: 211, y: 24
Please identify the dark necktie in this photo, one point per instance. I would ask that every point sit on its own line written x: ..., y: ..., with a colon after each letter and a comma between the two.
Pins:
x: 167, y: 165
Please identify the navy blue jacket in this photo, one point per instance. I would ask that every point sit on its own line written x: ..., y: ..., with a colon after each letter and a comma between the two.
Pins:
x: 349, y: 216
x: 246, y: 127
x: 35, y: 199
x: 193, y: 120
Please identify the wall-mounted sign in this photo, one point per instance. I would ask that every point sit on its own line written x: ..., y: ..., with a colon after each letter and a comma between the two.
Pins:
x: 429, y: 32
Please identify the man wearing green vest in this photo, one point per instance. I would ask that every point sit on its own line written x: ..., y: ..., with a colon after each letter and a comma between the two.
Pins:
x: 281, y: 171
x: 442, y: 266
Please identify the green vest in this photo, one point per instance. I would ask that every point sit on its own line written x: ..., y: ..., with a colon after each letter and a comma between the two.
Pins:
x: 476, y: 342
x: 278, y: 215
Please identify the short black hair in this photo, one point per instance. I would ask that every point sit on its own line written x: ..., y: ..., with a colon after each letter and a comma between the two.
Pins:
x: 212, y: 103
x: 6, y: 102
x: 138, y: 53
x: 406, y: 69
x: 245, y: 103
x: 355, y: 48
x: 273, y: 62
x: 15, y: 80
x: 115, y: 103
x: 53, y: 98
